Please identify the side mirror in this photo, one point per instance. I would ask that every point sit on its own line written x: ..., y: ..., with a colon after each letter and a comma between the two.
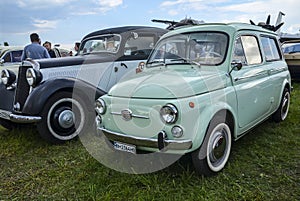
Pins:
x: 235, y: 65
x: 1, y: 61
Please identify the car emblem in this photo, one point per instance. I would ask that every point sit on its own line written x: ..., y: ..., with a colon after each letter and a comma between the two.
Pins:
x: 126, y: 114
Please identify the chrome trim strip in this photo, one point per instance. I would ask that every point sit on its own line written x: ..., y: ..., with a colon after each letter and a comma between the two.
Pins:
x: 24, y: 119
x: 250, y: 76
x: 145, y: 142
x: 133, y: 115
x: 4, y: 114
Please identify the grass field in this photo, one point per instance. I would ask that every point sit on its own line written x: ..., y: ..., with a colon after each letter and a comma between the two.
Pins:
x: 264, y: 165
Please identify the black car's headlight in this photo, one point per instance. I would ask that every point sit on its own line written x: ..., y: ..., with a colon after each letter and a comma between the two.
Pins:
x: 169, y: 114
x: 100, y: 106
x: 33, y: 77
x: 8, y: 77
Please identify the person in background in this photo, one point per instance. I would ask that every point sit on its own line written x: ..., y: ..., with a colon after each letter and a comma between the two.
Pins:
x: 76, y: 47
x: 51, y: 52
x: 34, y: 50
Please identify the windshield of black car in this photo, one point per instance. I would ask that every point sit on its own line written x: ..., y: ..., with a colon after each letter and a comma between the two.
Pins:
x: 205, y: 48
x: 104, y: 43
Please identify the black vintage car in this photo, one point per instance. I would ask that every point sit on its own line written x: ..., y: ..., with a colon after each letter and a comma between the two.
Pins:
x: 58, y: 94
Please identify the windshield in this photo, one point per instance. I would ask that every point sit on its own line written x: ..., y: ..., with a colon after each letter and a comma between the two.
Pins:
x: 103, y: 43
x: 205, y: 48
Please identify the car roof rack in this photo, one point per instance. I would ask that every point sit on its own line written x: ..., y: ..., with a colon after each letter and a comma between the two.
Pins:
x: 184, y: 22
x: 267, y: 24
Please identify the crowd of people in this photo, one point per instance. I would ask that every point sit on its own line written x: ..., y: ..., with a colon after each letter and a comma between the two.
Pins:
x: 37, y: 51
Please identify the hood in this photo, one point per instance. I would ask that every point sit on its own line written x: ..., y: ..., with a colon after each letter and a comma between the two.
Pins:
x: 169, y: 83
x: 76, y: 60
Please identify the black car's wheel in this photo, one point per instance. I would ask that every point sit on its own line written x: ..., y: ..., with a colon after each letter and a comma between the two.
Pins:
x: 64, y: 117
x: 213, y: 154
x: 282, y: 112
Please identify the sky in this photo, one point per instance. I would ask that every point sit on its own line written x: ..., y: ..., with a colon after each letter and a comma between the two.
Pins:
x: 68, y: 21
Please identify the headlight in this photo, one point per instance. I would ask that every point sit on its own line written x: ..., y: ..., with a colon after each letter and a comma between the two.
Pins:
x: 33, y: 77
x: 169, y: 114
x: 8, y: 77
x: 100, y: 106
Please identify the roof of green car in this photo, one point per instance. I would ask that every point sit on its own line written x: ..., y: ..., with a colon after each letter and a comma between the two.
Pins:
x: 226, y: 27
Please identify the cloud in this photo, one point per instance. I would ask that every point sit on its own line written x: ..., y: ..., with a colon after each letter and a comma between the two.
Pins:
x: 41, y: 4
x: 106, y: 5
x: 45, y: 24
x: 233, y: 11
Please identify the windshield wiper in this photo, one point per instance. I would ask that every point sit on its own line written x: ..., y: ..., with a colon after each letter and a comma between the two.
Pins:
x: 157, y: 62
x: 187, y: 61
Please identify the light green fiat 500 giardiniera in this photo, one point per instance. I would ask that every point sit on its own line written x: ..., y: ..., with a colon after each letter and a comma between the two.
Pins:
x: 201, y: 88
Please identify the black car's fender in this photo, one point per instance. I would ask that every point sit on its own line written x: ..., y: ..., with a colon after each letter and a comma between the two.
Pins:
x: 7, y: 102
x: 39, y: 96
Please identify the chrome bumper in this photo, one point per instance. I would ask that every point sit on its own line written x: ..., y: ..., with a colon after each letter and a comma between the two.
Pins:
x: 5, y: 114
x: 146, y: 142
x: 24, y: 119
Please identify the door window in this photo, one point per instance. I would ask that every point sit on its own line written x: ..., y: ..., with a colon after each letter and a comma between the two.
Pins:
x: 139, y: 45
x: 247, y: 50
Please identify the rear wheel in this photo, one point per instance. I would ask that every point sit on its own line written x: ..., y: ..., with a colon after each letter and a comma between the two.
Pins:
x: 64, y: 117
x: 213, y: 154
x: 282, y: 112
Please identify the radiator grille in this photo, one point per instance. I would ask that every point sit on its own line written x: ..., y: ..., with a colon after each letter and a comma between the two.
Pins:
x: 22, y: 90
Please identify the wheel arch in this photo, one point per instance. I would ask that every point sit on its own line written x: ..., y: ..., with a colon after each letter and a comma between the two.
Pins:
x: 39, y: 96
x: 209, y: 114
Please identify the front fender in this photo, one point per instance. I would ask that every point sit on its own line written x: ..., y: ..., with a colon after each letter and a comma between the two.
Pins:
x: 7, y: 102
x: 205, y: 117
x: 39, y: 96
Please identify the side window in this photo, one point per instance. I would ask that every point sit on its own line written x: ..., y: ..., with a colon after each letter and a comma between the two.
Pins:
x: 139, y: 45
x: 7, y: 57
x: 247, y: 50
x: 270, y: 48
x: 16, y: 55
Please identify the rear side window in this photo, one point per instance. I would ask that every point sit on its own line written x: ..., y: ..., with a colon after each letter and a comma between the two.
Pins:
x: 247, y: 50
x: 270, y: 48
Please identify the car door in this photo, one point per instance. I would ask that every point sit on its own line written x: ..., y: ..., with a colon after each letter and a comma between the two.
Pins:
x: 251, y: 83
x: 137, y: 48
x: 277, y: 67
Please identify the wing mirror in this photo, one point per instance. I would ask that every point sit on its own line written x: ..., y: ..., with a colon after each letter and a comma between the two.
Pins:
x: 1, y: 61
x: 235, y: 65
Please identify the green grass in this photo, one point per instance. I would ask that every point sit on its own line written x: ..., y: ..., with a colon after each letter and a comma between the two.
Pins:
x: 264, y: 165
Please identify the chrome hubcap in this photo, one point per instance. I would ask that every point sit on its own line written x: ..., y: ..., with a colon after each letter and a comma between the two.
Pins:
x: 218, y: 147
x: 66, y: 119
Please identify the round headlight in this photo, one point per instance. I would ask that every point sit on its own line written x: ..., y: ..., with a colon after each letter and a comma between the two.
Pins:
x: 169, y: 114
x: 33, y: 77
x: 177, y: 131
x: 100, y: 106
x: 7, y: 77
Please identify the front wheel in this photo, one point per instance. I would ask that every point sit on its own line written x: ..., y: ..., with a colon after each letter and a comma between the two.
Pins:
x: 64, y: 117
x: 213, y: 154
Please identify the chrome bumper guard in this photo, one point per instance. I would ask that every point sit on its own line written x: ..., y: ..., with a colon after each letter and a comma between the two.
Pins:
x: 146, y: 142
x: 24, y: 119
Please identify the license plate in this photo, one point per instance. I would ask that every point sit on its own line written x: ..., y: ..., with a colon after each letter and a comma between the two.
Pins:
x: 125, y: 147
